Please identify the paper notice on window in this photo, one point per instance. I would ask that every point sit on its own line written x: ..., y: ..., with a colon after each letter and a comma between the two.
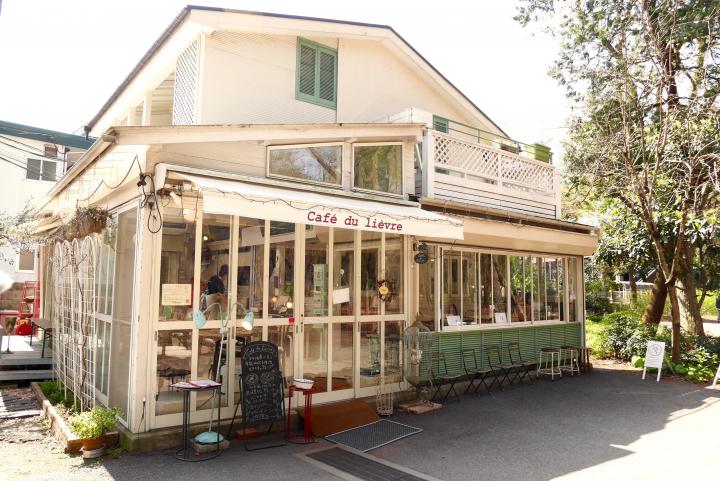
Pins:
x: 176, y: 294
x: 454, y: 320
x: 341, y: 295
x: 500, y: 318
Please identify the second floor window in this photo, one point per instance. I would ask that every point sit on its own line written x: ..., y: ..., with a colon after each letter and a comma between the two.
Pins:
x: 316, y: 74
x: 314, y: 163
x: 378, y: 168
x: 41, y: 169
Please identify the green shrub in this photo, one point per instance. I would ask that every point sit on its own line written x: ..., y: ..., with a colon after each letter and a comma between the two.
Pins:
x: 624, y: 336
x: 56, y: 397
x: 93, y: 423
x: 49, y: 387
x: 637, y: 361
x: 701, y: 364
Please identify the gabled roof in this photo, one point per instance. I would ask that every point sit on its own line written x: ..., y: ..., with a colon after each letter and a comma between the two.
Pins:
x: 45, y: 135
x: 185, y: 12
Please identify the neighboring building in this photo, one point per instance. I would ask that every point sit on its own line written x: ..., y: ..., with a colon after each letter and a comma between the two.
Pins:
x: 31, y: 162
x: 315, y: 158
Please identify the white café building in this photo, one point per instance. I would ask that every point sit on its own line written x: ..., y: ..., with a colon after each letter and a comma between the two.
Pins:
x: 315, y: 159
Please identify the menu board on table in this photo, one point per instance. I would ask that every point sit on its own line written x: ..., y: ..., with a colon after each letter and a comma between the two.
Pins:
x: 261, y: 383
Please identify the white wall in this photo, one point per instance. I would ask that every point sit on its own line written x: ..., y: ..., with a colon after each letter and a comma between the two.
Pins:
x: 17, y: 191
x: 250, y: 78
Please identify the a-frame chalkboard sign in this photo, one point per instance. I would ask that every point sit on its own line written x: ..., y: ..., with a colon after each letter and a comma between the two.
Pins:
x: 261, y: 388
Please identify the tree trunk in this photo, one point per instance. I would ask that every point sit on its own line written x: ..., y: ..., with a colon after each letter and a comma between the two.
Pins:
x: 633, y: 283
x: 690, y: 316
x: 675, y: 313
x: 656, y: 302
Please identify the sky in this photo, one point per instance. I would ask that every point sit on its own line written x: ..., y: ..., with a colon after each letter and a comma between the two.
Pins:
x: 60, y: 60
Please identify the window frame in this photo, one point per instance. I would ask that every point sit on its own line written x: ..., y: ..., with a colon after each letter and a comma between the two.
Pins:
x: 315, y: 99
x: 26, y: 271
x: 564, y: 318
x: 40, y: 173
x: 271, y: 175
x: 401, y: 195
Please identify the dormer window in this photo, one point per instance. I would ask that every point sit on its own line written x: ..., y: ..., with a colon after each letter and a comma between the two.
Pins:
x: 316, y: 74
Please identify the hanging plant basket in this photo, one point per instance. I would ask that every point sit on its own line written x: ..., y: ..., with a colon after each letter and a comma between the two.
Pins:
x: 86, y: 221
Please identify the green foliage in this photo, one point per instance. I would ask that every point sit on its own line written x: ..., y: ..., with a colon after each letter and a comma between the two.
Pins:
x: 625, y: 336
x: 93, y: 423
x: 117, y: 452
x: 49, y: 387
x: 56, y: 397
x: 701, y: 363
x: 637, y: 361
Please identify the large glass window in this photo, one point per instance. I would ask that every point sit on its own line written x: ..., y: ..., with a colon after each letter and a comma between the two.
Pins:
x: 486, y: 289
x: 572, y: 264
x: 378, y: 168
x: 394, y: 265
x: 250, y: 259
x: 215, y: 266
x: 177, y: 263
x: 520, y: 282
x: 122, y: 313
x: 369, y: 271
x: 426, y: 290
x: 469, y: 271
x: 316, y: 271
x: 282, y: 271
x: 343, y: 272
x: 315, y: 163
x: 500, y: 291
x: 553, y: 286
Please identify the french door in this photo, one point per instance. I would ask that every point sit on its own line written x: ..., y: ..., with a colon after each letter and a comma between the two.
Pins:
x: 349, y: 339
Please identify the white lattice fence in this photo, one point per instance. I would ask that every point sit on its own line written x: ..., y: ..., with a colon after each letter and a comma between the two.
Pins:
x: 73, y: 266
x: 526, y: 175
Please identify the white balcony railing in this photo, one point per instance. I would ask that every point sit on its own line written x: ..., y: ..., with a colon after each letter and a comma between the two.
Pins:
x: 470, y: 172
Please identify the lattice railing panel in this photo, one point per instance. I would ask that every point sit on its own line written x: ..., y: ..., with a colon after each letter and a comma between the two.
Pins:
x: 185, y: 93
x: 518, y: 172
x: 472, y: 159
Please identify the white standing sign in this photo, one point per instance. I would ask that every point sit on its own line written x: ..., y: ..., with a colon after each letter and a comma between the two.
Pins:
x: 654, y: 357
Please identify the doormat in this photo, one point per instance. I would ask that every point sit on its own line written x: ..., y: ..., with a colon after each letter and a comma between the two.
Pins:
x: 333, y: 418
x: 373, y: 435
x: 353, y: 465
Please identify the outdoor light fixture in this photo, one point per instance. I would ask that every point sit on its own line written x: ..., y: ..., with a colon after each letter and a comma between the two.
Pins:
x: 248, y: 321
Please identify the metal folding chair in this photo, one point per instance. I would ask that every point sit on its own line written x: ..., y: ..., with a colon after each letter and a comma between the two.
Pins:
x: 474, y: 371
x: 498, y: 367
x: 441, y: 377
x: 526, y: 367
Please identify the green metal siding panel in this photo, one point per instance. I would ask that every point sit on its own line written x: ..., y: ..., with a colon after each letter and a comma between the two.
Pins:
x: 451, y: 346
x: 530, y: 338
x: 528, y: 347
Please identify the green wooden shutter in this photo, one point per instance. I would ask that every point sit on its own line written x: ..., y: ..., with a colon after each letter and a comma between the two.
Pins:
x: 306, y: 69
x: 326, y: 77
x: 316, y: 76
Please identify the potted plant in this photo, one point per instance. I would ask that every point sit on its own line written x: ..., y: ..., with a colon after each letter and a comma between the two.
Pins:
x: 90, y: 427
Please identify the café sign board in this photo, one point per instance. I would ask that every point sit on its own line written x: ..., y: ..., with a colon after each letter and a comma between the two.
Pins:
x: 654, y: 357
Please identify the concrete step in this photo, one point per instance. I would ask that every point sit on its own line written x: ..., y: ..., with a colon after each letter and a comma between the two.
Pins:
x: 26, y: 375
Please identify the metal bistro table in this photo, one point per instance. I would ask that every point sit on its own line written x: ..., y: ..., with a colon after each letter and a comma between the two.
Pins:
x: 187, y: 452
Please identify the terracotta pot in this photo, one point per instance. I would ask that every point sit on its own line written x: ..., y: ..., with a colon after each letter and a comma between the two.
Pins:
x: 93, y: 443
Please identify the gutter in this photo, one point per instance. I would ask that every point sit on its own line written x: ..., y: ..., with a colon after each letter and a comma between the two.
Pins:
x: 453, y: 208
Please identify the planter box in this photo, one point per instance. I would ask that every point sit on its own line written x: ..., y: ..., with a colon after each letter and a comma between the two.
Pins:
x: 60, y: 429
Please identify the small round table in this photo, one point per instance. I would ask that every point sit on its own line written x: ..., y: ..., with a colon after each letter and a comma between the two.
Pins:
x: 187, y: 453
x: 306, y: 437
